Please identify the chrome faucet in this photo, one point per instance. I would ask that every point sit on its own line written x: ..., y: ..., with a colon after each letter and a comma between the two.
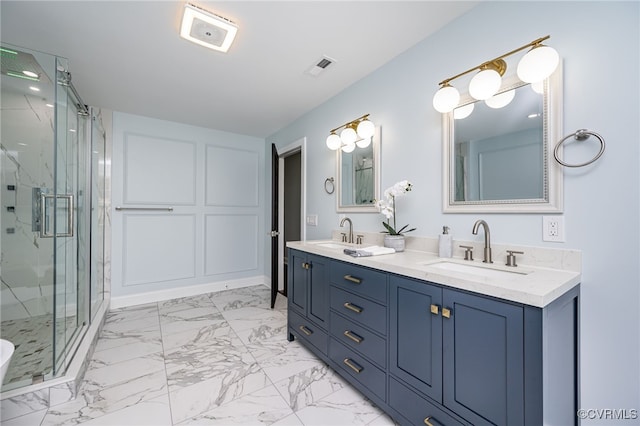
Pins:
x: 487, y: 239
x: 350, y: 238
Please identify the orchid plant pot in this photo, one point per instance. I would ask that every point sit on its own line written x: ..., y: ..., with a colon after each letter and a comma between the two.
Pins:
x: 396, y: 242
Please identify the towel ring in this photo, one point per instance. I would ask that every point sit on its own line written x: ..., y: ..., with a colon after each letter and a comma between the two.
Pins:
x: 580, y: 135
x: 329, y: 186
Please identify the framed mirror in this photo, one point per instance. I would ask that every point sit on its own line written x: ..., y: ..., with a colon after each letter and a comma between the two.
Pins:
x: 358, y: 183
x: 499, y: 159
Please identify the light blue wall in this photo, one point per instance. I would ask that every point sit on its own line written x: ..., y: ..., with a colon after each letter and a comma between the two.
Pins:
x: 212, y: 179
x: 599, y: 44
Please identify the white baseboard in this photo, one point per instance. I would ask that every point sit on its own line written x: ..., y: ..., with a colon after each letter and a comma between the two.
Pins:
x: 194, y: 290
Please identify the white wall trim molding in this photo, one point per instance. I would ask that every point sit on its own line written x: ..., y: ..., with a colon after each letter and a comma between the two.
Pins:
x: 194, y: 290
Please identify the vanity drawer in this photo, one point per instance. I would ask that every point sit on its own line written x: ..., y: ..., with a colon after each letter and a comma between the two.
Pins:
x: 360, y: 310
x: 417, y: 409
x: 358, y: 338
x: 359, y: 368
x: 308, y: 331
x: 367, y: 282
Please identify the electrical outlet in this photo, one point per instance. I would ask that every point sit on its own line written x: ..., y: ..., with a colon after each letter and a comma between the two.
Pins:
x: 553, y: 228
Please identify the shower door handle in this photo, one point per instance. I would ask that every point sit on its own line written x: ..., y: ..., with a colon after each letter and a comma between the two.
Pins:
x: 43, y: 214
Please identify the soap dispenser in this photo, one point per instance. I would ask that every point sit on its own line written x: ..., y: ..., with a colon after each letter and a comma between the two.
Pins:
x: 445, y: 243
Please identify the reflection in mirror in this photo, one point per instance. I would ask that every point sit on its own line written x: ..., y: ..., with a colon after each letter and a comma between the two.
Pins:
x: 500, y: 166
x: 359, y: 177
x: 497, y: 155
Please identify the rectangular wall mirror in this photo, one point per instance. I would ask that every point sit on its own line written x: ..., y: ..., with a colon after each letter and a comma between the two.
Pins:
x: 500, y: 159
x: 358, y: 174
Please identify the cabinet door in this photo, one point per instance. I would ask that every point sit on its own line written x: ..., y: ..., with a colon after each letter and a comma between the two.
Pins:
x: 483, y: 359
x: 318, y: 289
x: 297, y: 286
x: 415, y: 335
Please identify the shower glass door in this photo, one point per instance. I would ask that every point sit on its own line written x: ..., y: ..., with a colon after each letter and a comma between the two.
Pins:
x: 70, y: 220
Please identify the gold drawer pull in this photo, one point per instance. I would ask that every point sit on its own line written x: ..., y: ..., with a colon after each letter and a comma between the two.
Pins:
x: 353, y: 336
x: 446, y: 313
x: 352, y: 279
x: 427, y: 422
x: 435, y: 309
x: 305, y: 330
x: 352, y: 365
x: 354, y: 308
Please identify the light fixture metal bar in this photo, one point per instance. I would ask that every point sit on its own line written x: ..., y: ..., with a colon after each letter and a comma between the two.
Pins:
x: 533, y: 43
x: 350, y: 122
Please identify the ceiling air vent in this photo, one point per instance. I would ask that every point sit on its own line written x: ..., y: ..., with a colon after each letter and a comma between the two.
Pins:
x: 320, y: 66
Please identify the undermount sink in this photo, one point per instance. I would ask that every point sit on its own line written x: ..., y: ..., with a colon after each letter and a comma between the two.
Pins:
x: 330, y: 244
x: 477, y: 270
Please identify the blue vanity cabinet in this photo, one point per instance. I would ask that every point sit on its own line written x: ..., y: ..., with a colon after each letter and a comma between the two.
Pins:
x: 357, y: 338
x: 431, y: 354
x: 415, y: 335
x: 461, y: 350
x: 483, y: 359
x: 308, y: 298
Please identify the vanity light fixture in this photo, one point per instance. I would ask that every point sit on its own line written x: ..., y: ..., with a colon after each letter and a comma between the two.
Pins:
x: 207, y: 29
x: 536, y: 65
x: 357, y: 132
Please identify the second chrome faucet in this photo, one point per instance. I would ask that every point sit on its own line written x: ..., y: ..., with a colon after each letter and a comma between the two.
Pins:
x: 350, y: 238
x: 487, y: 239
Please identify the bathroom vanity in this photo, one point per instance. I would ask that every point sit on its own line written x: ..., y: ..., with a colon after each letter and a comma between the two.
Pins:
x: 441, y: 342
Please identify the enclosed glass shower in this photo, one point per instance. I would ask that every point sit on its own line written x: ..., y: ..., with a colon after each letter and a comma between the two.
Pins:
x: 52, y: 215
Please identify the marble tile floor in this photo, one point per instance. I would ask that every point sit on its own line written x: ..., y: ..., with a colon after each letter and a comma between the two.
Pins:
x: 220, y: 358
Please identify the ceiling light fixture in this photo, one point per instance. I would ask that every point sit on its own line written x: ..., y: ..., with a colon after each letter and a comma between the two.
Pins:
x: 536, y: 65
x: 207, y: 29
x: 357, y: 132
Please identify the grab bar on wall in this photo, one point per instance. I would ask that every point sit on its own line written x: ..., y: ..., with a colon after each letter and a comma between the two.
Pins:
x: 169, y: 209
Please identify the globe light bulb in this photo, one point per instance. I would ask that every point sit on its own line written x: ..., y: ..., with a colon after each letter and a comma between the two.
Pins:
x: 485, y: 84
x: 539, y: 63
x: 446, y: 99
x: 363, y: 143
x: 366, y: 129
x: 349, y: 147
x: 348, y: 136
x: 463, y: 111
x: 333, y: 141
x: 501, y: 100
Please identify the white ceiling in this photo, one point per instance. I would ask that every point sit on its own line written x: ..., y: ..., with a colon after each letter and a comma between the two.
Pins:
x: 127, y: 55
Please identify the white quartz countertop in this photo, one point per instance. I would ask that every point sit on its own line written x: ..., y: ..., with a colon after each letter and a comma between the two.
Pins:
x: 529, y: 285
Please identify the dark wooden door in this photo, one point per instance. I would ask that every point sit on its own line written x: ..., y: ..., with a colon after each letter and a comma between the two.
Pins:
x: 274, y: 224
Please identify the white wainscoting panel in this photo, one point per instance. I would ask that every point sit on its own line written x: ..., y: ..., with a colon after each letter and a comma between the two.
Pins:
x: 159, y: 170
x: 158, y: 248
x: 231, y: 177
x: 231, y: 243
